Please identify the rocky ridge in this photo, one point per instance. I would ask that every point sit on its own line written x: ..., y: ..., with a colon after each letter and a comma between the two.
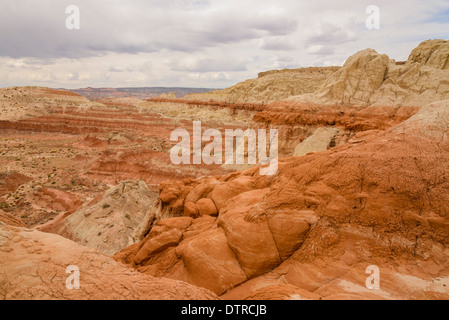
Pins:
x: 379, y: 196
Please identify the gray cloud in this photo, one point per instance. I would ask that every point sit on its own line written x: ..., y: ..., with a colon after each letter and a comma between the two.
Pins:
x: 323, y: 50
x: 127, y: 27
x: 277, y: 44
x: 204, y: 43
x: 328, y: 33
x: 208, y: 64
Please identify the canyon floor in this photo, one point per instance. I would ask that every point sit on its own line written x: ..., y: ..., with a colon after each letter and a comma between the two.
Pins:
x: 362, y: 182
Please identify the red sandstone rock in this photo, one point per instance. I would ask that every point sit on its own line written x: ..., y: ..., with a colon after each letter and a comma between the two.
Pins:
x: 33, y: 266
x: 377, y: 196
x: 206, y: 207
x: 11, y: 220
x: 191, y: 210
x: 210, y: 262
x: 377, y: 200
x: 157, y: 244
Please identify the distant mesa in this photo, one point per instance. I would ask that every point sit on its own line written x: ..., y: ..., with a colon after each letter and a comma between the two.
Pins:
x: 367, y: 78
x: 140, y: 93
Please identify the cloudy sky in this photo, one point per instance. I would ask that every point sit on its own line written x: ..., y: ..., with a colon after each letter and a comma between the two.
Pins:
x: 199, y: 43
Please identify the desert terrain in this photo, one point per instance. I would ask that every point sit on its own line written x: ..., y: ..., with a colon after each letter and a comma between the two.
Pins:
x: 140, y: 93
x: 363, y: 180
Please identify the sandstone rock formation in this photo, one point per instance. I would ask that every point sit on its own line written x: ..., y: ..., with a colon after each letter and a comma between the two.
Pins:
x: 33, y: 266
x: 107, y: 223
x: 366, y: 79
x: 9, y: 219
x: 320, y: 140
x: 71, y: 151
x: 369, y: 78
x: 362, y: 182
x: 58, y: 200
x: 271, y: 86
x: 316, y: 225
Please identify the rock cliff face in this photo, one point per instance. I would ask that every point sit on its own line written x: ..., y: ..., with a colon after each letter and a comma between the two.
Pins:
x: 271, y: 86
x: 370, y: 78
x: 377, y: 200
x: 366, y: 79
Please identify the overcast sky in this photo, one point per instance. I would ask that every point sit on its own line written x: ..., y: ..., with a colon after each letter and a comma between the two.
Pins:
x: 199, y: 43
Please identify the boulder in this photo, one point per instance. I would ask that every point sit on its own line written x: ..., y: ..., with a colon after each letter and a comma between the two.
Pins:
x: 206, y: 207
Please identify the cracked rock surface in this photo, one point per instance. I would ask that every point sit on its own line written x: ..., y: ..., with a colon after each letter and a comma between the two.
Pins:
x: 33, y: 266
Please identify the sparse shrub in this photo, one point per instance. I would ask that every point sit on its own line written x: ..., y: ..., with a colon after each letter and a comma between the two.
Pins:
x: 105, y: 206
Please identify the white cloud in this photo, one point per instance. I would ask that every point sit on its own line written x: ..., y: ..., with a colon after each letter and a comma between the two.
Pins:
x: 198, y: 43
x: 208, y: 64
